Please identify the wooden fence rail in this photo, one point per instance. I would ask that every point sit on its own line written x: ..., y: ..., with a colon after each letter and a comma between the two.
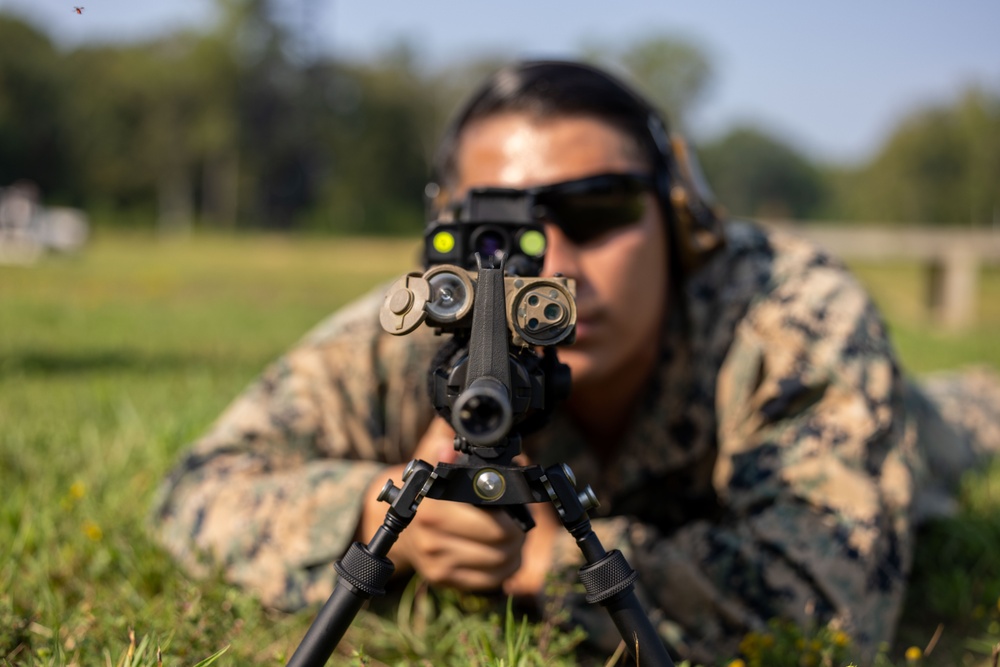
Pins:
x: 952, y: 256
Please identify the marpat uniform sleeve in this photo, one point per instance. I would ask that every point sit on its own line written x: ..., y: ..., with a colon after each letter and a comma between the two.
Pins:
x: 271, y: 494
x: 815, y: 477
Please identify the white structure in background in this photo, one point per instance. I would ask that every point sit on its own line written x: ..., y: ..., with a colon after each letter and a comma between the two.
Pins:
x: 28, y: 229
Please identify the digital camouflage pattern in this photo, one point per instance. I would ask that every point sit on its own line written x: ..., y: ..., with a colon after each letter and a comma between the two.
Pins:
x: 776, y: 467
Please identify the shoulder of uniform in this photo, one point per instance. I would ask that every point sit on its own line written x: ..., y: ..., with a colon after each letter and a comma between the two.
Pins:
x: 359, y: 317
x: 356, y: 329
x: 745, y: 238
x: 764, y: 268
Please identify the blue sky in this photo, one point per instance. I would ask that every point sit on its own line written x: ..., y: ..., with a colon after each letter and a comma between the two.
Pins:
x: 831, y: 77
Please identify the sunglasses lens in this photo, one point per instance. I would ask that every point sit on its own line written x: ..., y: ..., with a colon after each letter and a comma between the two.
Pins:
x: 587, y: 214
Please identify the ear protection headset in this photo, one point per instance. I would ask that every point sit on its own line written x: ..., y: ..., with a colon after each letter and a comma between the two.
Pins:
x: 694, y: 223
x: 694, y: 226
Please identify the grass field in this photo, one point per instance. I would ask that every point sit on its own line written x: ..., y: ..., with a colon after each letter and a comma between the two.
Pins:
x: 111, y: 361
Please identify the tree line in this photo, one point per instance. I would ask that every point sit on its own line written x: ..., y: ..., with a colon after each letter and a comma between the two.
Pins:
x: 233, y: 127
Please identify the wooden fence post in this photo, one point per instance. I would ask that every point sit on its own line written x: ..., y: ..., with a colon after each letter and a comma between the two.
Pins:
x: 952, y: 287
x: 953, y: 258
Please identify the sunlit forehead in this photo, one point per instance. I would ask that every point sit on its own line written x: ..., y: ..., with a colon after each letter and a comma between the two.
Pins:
x: 518, y: 151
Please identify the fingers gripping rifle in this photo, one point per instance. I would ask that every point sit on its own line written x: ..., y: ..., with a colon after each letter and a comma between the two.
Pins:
x: 492, y: 387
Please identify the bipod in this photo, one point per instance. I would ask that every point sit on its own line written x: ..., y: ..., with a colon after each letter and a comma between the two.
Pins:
x: 365, y: 570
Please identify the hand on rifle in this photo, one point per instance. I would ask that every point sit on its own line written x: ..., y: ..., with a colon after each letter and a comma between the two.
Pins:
x: 458, y: 545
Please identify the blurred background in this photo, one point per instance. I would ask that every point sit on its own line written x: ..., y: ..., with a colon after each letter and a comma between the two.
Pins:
x: 187, y: 187
x: 321, y: 114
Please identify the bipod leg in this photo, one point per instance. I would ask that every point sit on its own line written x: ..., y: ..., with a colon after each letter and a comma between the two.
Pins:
x: 363, y: 572
x: 607, y: 576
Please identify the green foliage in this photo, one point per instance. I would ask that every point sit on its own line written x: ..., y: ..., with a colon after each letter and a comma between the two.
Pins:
x: 759, y: 176
x: 35, y: 122
x: 955, y: 592
x: 672, y: 71
x: 785, y: 643
x: 109, y: 363
x: 218, y: 126
x: 381, y: 123
x: 940, y: 166
x: 232, y: 123
x: 450, y: 629
x: 149, y: 119
x: 236, y: 125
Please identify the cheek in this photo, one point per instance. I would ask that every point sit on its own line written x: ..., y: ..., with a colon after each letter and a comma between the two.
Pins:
x: 630, y: 272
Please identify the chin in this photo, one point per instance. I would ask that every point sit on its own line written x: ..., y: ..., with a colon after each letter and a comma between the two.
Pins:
x: 584, y: 369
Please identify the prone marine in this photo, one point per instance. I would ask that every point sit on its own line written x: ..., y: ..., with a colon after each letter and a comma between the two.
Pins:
x: 736, y: 405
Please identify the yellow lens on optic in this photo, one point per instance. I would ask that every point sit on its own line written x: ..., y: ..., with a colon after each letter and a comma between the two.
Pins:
x: 533, y: 243
x: 443, y: 242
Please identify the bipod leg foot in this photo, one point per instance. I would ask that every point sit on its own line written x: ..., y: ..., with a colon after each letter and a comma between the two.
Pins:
x: 363, y: 572
x: 607, y: 577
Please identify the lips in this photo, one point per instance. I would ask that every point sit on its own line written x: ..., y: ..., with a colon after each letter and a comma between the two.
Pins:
x: 585, y: 325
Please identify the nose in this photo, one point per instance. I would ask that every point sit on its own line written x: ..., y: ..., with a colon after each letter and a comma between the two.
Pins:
x: 562, y: 256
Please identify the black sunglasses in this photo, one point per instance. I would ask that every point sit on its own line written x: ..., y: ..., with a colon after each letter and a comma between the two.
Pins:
x: 586, y: 209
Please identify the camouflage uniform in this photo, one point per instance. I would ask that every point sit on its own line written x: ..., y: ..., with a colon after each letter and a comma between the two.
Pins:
x: 772, y: 469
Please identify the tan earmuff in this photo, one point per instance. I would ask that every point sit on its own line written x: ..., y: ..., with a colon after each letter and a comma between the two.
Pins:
x: 699, y: 221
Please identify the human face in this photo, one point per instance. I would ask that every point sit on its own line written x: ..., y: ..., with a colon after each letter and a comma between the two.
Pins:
x: 621, y: 277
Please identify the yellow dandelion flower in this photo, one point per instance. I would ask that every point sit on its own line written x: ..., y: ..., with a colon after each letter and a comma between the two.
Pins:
x: 737, y: 663
x: 92, y: 530
x: 913, y: 654
x: 749, y: 643
x: 841, y: 639
x: 77, y: 490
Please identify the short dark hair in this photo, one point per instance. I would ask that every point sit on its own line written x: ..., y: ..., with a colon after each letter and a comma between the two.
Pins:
x: 548, y: 89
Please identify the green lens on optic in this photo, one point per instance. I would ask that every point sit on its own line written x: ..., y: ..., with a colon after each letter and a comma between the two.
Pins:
x: 533, y: 243
x: 443, y: 242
